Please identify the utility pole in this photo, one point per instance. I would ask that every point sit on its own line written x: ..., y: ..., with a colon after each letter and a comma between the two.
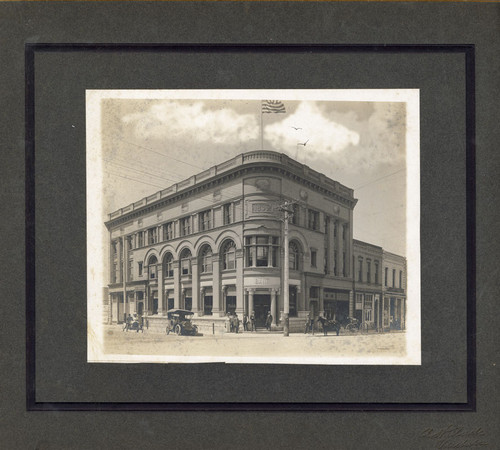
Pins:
x: 287, y: 208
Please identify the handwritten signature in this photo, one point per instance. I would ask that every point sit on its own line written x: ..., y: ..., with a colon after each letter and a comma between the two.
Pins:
x: 456, y: 437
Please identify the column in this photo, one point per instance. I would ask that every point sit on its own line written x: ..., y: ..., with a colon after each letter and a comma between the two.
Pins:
x: 349, y: 241
x: 201, y: 309
x: 274, y: 311
x: 250, y: 300
x: 195, y: 291
x: 216, y: 308
x: 338, y: 247
x: 161, y: 280
x: 331, y: 246
x: 351, y: 304
x: 240, y: 292
x: 177, y: 284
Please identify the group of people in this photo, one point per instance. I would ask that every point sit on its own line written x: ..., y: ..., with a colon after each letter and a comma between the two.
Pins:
x: 133, y: 323
x: 233, y: 322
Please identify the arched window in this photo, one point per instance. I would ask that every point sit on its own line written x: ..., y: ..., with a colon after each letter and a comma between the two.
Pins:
x: 169, y: 265
x: 229, y: 256
x: 185, y: 262
x: 206, y: 259
x: 152, y: 266
x: 293, y: 256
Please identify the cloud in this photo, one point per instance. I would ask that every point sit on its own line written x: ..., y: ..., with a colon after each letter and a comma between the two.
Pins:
x: 325, y: 135
x: 192, y: 121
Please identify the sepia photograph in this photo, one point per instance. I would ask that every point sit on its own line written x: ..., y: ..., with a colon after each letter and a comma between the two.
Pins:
x: 226, y: 227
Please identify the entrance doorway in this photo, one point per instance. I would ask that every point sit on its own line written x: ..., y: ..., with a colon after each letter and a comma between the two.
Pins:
x: 261, y: 306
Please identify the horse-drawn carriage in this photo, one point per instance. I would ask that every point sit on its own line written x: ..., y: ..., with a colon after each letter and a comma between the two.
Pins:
x: 349, y: 324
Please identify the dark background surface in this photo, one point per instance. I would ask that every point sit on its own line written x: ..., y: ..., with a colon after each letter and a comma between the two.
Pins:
x: 62, y: 374
x: 60, y: 81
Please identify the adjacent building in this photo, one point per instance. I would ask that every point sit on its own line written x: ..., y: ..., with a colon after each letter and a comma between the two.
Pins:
x: 213, y: 244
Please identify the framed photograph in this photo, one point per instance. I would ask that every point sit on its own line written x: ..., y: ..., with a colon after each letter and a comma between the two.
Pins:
x: 223, y: 227
x: 242, y: 223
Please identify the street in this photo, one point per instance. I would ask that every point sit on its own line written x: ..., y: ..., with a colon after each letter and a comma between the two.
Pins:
x: 256, y: 347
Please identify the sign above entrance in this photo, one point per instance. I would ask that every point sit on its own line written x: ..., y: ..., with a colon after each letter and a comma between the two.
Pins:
x: 270, y: 282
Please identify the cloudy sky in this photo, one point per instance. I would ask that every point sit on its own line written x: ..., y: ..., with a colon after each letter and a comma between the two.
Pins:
x: 149, y: 144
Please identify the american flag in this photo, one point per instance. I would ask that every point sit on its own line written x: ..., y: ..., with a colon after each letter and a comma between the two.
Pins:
x: 273, y: 106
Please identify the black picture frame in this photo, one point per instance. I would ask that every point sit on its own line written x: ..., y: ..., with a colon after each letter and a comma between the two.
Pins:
x: 32, y: 51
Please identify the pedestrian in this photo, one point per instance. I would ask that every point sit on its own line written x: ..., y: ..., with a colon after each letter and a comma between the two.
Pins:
x: 245, y: 322
x: 269, y: 321
x: 236, y: 323
x: 308, y: 323
x: 128, y: 323
x: 252, y: 321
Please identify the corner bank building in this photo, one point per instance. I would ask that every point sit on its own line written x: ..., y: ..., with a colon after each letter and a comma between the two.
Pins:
x: 213, y: 244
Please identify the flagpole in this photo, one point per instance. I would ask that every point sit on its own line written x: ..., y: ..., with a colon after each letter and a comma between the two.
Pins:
x: 261, y: 128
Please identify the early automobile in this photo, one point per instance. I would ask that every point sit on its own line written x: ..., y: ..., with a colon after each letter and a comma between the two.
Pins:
x: 179, y: 322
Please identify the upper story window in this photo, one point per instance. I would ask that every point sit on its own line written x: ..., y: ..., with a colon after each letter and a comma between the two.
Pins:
x: 114, y: 248
x: 152, y: 236
x: 227, y: 213
x: 169, y: 265
x: 229, y: 256
x: 293, y: 256
x: 205, y: 218
x: 360, y: 270
x: 168, y: 231
x: 314, y: 292
x: 140, y: 239
x: 386, y: 275
x: 295, y: 214
x: 335, y: 256
x: 139, y: 268
x: 206, y: 259
x: 314, y: 258
x: 401, y: 279
x: 368, y: 272
x: 185, y: 226
x: 345, y: 229
x: 261, y: 251
x: 376, y: 272
x: 393, y: 277
x: 185, y: 262
x: 313, y: 219
x: 344, y: 265
x: 153, y: 261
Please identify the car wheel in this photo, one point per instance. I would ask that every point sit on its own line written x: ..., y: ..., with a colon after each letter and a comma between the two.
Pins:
x: 178, y: 330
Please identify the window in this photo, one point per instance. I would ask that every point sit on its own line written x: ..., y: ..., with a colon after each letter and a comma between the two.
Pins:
x: 295, y: 214
x: 229, y: 256
x: 169, y: 265
x: 152, y: 267
x: 335, y: 262
x: 345, y: 228
x: 376, y: 272
x: 152, y: 236
x: 360, y: 270
x: 114, y: 247
x: 185, y: 226
x: 139, y: 268
x: 314, y: 292
x: 368, y: 272
x: 185, y: 262
x: 205, y: 218
x: 140, y: 239
x: 293, y: 256
x: 168, y: 231
x: 314, y: 255
x: 385, y: 276
x: 393, y: 277
x: 114, y: 272
x: 368, y: 315
x: 344, y: 272
x: 325, y: 261
x: 313, y: 220
x: 130, y: 267
x: 401, y: 279
x: 227, y: 212
x: 206, y: 259
x: 261, y: 251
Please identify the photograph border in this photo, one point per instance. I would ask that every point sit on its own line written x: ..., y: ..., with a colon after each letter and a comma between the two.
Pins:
x: 32, y: 404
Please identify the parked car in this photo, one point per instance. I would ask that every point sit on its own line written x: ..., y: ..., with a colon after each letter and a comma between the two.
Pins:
x: 179, y: 322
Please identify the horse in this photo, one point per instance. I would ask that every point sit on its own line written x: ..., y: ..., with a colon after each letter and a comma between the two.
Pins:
x: 329, y: 325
